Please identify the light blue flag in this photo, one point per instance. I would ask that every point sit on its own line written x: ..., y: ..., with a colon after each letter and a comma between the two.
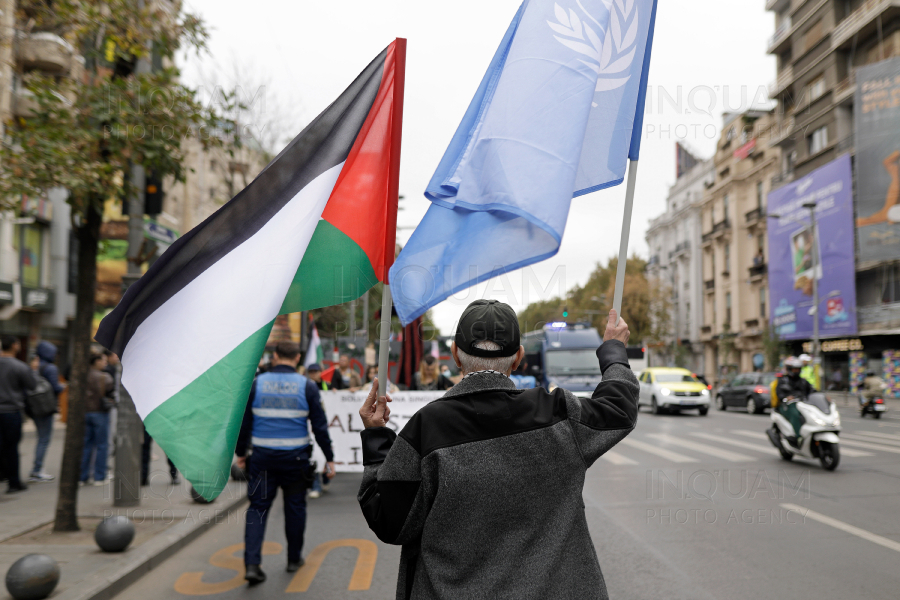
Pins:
x: 557, y: 115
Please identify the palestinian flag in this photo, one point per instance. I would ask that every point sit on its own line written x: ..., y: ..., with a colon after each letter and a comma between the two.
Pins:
x: 314, y: 353
x: 316, y: 228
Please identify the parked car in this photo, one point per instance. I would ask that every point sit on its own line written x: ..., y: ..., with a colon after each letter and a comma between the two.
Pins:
x: 750, y: 391
x: 670, y: 389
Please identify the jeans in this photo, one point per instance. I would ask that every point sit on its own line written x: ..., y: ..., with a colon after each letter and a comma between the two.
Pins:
x: 10, y: 435
x: 267, y: 471
x: 96, y: 439
x: 44, y: 427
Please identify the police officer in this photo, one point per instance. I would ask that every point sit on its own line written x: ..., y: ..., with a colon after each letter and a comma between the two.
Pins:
x: 275, y: 424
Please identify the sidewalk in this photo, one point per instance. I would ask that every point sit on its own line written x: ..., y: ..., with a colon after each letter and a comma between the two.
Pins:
x: 166, y: 520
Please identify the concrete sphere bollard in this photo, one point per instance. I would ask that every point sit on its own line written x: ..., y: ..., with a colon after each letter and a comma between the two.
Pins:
x: 114, y: 534
x: 198, y: 498
x: 237, y: 473
x: 32, y: 577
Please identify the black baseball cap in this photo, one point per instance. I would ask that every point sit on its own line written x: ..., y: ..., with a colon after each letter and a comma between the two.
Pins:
x: 488, y: 320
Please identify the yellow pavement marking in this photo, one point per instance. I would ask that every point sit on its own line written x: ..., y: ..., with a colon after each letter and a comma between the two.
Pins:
x: 192, y: 584
x: 362, y: 572
x: 862, y: 533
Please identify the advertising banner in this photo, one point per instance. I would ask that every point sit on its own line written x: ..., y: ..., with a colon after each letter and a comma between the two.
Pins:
x: 791, y: 255
x: 877, y: 121
x: 344, y: 424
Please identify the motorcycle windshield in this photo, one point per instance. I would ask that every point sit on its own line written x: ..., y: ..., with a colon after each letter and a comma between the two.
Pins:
x: 820, y: 402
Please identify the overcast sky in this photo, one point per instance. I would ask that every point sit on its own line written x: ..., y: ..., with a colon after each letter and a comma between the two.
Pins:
x: 709, y: 51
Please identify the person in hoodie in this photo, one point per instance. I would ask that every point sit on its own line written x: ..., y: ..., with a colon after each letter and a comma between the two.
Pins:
x: 48, y: 370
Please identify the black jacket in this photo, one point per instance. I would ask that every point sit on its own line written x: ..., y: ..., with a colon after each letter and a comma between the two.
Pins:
x: 790, y: 386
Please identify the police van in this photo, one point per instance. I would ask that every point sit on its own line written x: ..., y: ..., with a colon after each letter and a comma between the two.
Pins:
x: 563, y: 354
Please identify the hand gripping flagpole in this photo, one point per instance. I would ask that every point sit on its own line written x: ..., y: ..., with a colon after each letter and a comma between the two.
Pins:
x: 623, y: 244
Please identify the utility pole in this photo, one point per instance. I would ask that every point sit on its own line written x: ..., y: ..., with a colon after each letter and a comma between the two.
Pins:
x: 815, y: 260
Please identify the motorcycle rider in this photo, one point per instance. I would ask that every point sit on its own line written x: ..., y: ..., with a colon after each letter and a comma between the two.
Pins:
x: 873, y: 387
x: 790, y: 389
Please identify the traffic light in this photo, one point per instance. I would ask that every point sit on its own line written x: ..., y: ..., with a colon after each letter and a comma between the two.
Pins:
x: 153, y: 198
x: 565, y: 312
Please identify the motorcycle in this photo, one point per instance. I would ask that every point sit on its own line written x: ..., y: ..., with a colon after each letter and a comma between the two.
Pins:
x: 875, y: 407
x: 819, y: 431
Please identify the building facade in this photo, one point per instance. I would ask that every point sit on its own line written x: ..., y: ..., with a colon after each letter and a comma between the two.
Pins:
x: 733, y: 245
x: 675, y: 264
x: 820, y: 45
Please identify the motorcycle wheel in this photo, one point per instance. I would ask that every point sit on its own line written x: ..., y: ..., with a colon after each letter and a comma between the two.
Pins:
x: 829, y: 456
x: 877, y: 415
x: 784, y: 453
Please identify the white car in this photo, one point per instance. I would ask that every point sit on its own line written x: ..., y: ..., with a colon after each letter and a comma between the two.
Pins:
x: 670, y: 389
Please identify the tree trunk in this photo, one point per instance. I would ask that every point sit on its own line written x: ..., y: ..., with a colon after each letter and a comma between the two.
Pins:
x: 88, y: 235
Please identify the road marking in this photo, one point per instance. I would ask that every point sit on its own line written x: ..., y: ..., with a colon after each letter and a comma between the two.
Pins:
x: 739, y: 443
x: 362, y: 572
x: 878, y: 434
x: 618, y: 459
x: 762, y: 436
x: 192, y: 584
x: 869, y: 446
x: 667, y: 454
x: 862, y: 533
x: 698, y: 447
x: 863, y: 438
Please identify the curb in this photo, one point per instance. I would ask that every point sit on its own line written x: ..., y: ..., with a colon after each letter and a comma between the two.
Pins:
x: 113, y: 579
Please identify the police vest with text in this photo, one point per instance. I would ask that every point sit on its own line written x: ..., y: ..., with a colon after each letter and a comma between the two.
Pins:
x: 280, y: 412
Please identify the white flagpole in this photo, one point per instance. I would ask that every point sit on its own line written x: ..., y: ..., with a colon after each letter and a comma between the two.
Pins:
x: 623, y: 244
x: 384, y: 338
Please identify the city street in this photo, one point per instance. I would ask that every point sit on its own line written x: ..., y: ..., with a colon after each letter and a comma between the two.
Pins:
x: 687, y: 507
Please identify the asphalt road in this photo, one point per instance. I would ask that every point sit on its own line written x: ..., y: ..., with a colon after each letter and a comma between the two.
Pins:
x: 687, y: 507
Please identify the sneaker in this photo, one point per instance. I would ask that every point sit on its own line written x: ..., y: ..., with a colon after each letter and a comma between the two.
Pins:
x: 314, y: 494
x: 40, y: 477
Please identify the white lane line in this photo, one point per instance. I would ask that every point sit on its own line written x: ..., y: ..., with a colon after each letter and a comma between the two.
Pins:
x: 869, y: 446
x: 667, y: 454
x: 698, y: 447
x: 862, y: 533
x: 618, y: 459
x: 741, y: 444
x: 863, y: 438
x: 878, y: 434
x: 762, y: 436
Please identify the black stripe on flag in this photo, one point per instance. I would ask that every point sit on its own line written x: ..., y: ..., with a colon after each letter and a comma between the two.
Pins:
x: 322, y: 145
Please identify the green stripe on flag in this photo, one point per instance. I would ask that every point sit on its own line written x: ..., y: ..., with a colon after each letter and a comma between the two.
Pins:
x: 198, y: 427
x: 334, y: 270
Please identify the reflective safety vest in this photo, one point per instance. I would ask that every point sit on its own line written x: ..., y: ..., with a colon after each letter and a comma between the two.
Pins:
x: 280, y: 411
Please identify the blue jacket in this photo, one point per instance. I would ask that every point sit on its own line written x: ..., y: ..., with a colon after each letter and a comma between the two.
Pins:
x: 296, y: 427
x: 48, y: 369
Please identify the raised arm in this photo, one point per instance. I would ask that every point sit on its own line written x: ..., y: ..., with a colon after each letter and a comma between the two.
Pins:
x: 604, y: 419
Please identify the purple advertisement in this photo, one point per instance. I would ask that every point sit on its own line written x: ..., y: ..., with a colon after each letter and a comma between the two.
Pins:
x: 795, y: 259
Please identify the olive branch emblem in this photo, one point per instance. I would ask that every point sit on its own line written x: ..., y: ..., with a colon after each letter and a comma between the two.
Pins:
x: 610, y: 57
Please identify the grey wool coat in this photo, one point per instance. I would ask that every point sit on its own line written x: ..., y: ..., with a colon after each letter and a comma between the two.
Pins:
x: 483, y: 487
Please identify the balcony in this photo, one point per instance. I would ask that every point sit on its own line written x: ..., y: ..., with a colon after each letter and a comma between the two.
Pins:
x: 846, y: 145
x: 754, y: 216
x: 654, y: 260
x: 758, y: 271
x: 785, y: 77
x: 751, y: 323
x: 782, y: 178
x: 845, y: 89
x: 23, y: 103
x: 783, y: 131
x: 720, y: 228
x: 782, y: 35
x: 863, y: 22
x: 46, y: 52
x: 880, y: 317
x: 706, y: 331
x: 706, y: 239
x: 681, y: 249
x: 709, y: 286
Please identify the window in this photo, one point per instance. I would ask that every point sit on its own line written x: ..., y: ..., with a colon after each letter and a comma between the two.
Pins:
x: 813, y: 35
x: 727, y: 256
x: 713, y: 262
x: 728, y: 309
x: 816, y: 87
x: 725, y: 208
x: 818, y: 140
x: 762, y: 302
x: 759, y: 195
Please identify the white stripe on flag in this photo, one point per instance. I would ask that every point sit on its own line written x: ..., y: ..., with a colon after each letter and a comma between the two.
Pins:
x: 224, y: 305
x: 279, y: 413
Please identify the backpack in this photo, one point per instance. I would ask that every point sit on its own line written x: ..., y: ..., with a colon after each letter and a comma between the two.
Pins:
x: 41, y: 401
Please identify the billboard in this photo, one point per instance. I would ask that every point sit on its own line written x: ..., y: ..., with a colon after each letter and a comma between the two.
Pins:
x: 793, y: 254
x: 877, y: 121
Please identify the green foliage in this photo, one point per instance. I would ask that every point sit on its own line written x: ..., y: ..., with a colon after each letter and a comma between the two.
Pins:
x: 591, y: 302
x: 773, y: 347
